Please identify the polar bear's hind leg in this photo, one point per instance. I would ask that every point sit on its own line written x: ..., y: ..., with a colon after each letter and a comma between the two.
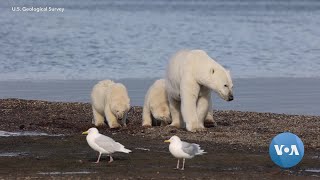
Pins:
x: 146, y: 117
x: 176, y: 116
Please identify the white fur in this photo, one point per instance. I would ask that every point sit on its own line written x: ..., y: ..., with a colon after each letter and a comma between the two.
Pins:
x: 110, y: 100
x: 209, y: 119
x: 156, y: 104
x: 190, y: 77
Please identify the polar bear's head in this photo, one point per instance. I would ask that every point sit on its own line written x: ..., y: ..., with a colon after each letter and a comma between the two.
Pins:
x: 211, y: 74
x: 120, y: 101
x: 162, y: 113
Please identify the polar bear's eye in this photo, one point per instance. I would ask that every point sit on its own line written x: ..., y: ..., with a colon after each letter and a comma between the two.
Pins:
x: 225, y: 85
x: 212, y: 71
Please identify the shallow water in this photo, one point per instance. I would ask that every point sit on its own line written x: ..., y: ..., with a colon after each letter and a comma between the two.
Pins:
x: 313, y: 170
x: 25, y: 133
x: 134, y: 38
x: 13, y: 154
x: 277, y: 95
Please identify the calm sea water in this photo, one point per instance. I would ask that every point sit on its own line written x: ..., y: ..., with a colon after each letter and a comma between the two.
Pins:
x: 97, y: 39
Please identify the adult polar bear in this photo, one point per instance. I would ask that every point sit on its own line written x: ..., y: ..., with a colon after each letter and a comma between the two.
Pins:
x: 156, y: 106
x: 190, y: 77
x: 110, y: 100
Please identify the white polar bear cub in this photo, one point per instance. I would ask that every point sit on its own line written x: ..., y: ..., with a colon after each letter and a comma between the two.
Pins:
x: 156, y: 104
x: 110, y: 100
x: 190, y: 77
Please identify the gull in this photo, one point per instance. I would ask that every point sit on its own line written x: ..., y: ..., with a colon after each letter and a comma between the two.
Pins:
x: 183, y: 150
x: 103, y: 144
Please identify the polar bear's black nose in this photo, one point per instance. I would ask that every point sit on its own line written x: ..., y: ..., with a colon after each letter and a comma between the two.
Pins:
x: 230, y: 97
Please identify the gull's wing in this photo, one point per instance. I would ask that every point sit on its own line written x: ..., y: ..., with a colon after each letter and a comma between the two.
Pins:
x: 191, y: 149
x: 108, y: 144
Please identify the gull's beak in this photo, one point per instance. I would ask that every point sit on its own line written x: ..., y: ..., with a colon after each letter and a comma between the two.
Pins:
x: 85, y: 133
x: 167, y: 141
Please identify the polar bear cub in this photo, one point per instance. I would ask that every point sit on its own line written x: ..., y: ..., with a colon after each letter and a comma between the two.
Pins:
x: 109, y: 100
x: 190, y: 77
x: 156, y: 104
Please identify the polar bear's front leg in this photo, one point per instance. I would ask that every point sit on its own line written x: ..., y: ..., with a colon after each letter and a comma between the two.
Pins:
x: 111, y: 118
x: 146, y: 116
x: 174, y: 106
x: 189, y: 112
x: 189, y: 95
x: 202, y: 110
x: 98, y: 119
x: 209, y: 119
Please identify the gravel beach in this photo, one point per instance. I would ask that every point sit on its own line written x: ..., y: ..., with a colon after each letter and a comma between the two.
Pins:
x: 237, y: 147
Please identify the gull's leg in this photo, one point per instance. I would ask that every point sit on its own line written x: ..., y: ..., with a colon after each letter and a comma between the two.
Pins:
x: 98, y: 157
x: 184, y: 160
x: 177, y: 164
x: 111, y: 159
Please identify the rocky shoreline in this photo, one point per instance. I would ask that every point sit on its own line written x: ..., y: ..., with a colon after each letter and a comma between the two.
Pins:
x: 234, y: 127
x: 237, y: 147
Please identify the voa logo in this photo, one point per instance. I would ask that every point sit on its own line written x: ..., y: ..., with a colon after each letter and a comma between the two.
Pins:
x: 286, y: 150
x: 280, y: 150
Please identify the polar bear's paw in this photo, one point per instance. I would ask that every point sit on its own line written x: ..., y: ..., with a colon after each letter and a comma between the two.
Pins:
x: 196, y: 128
x: 146, y: 125
x: 98, y: 123
x: 175, y: 125
x: 209, y: 121
x: 115, y: 126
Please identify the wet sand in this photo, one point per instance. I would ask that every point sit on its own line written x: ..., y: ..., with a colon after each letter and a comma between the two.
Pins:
x: 237, y: 147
